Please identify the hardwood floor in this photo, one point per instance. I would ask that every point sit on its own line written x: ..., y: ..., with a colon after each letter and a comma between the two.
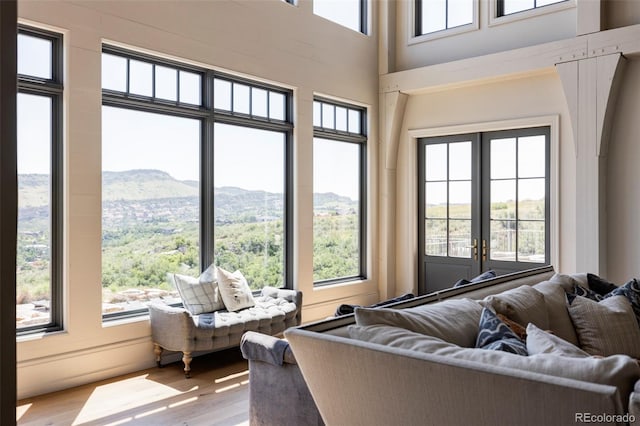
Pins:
x: 216, y: 394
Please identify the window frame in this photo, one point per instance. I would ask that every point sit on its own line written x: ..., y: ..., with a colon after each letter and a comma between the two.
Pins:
x: 363, y: 21
x: 53, y: 89
x: 495, y: 18
x: 415, y: 25
x: 361, y: 139
x: 208, y: 116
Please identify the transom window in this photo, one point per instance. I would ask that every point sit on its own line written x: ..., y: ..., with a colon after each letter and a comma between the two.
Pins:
x: 438, y: 15
x: 40, y: 156
x: 348, y: 13
x: 508, y: 7
x: 196, y: 170
x: 339, y: 192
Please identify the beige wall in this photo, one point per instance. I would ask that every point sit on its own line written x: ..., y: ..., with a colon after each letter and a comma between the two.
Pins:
x: 268, y: 40
x: 623, y: 197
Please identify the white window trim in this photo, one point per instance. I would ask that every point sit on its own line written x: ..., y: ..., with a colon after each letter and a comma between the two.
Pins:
x: 448, y: 32
x: 553, y: 121
x: 495, y: 20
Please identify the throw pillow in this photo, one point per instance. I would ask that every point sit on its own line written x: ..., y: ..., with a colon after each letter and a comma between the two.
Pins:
x: 483, y: 276
x: 620, y: 371
x: 607, y: 327
x: 631, y: 291
x: 523, y: 304
x: 199, y: 295
x: 234, y: 290
x: 453, y: 320
x: 495, y: 335
x: 556, y: 300
x: 518, y: 329
x: 584, y: 292
x: 600, y: 285
x: 542, y: 342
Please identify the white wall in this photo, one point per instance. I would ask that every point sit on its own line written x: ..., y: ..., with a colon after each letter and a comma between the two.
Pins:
x: 269, y: 40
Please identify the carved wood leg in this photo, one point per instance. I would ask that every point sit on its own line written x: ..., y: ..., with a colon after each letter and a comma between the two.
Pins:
x: 186, y: 358
x: 157, y: 349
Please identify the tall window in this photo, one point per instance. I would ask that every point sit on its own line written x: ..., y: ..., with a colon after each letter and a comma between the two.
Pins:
x: 348, y: 13
x: 195, y: 171
x: 507, y: 7
x: 438, y: 15
x: 339, y: 192
x: 39, y: 245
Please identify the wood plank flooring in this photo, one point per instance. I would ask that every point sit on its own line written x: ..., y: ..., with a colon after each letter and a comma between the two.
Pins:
x: 216, y: 395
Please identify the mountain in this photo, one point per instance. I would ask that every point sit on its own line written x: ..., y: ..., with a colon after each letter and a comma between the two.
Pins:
x: 144, y: 185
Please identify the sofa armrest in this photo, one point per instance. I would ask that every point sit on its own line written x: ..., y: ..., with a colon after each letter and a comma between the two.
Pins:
x: 171, y: 327
x: 634, y: 405
x: 294, y: 296
x: 262, y: 347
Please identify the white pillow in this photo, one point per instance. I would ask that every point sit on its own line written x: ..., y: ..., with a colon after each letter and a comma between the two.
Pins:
x: 607, y: 327
x: 453, y: 320
x: 234, y: 290
x: 620, y: 371
x: 541, y: 342
x: 199, y: 295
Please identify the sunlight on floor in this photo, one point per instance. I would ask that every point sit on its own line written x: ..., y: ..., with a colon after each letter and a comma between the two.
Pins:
x: 117, y: 397
x: 21, y: 410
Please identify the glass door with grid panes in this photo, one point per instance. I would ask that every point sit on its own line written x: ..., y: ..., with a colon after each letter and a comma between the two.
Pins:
x: 483, y: 205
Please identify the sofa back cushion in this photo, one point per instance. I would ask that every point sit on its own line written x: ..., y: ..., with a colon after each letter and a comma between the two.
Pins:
x: 454, y: 321
x: 620, y: 371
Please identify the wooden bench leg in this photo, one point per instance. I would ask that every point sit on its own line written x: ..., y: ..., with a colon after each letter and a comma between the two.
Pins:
x: 157, y: 349
x: 186, y: 358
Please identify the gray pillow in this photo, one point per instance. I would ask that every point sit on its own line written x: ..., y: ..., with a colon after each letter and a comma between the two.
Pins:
x: 607, y: 327
x: 523, y: 305
x: 199, y: 295
x: 616, y: 370
x: 555, y: 298
x: 542, y: 342
x: 454, y: 321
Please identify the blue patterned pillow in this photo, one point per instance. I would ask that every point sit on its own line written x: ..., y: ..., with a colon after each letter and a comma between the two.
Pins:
x: 496, y: 335
x: 486, y: 275
x: 631, y: 291
x: 584, y: 292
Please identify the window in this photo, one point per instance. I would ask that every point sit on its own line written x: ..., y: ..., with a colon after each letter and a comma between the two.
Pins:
x: 39, y: 125
x: 484, y: 204
x: 196, y: 169
x: 437, y: 15
x: 507, y: 7
x: 339, y: 192
x: 348, y: 13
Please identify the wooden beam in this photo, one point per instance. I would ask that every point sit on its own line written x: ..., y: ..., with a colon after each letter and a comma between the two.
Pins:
x: 9, y: 209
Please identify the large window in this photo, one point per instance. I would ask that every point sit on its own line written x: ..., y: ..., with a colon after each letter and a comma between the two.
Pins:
x: 438, y: 15
x: 348, y: 13
x: 508, y: 7
x: 39, y: 245
x: 339, y: 191
x: 195, y: 171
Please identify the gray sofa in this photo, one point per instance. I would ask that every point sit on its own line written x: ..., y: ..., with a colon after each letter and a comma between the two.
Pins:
x: 362, y: 374
x: 357, y: 381
x: 175, y: 329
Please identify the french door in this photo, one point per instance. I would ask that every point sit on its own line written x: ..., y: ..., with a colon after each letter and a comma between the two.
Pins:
x: 483, y: 204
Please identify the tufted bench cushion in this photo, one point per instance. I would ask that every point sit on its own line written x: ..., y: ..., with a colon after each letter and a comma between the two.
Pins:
x: 175, y: 329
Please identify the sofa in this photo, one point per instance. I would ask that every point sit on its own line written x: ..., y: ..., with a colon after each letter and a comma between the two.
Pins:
x: 179, y: 329
x: 402, y: 365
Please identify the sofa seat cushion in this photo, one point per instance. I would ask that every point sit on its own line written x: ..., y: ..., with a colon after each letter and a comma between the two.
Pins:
x: 454, y: 321
x: 268, y: 314
x: 523, y: 304
x: 620, y: 371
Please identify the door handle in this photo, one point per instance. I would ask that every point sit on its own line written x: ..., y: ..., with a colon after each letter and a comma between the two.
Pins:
x: 475, y: 248
x: 484, y: 250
